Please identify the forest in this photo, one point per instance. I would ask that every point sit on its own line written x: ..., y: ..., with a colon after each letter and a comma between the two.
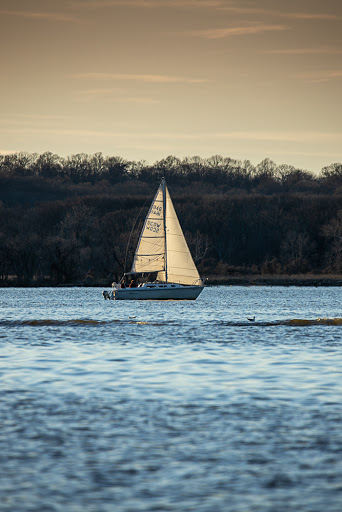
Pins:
x: 76, y: 219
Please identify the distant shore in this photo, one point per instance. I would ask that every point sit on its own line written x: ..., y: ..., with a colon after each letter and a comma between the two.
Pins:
x: 210, y: 280
x: 276, y: 280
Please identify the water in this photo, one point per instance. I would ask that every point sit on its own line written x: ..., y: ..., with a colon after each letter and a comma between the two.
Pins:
x: 171, y: 406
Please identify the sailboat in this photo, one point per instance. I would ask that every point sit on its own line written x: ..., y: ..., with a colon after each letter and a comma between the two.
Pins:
x: 163, y: 267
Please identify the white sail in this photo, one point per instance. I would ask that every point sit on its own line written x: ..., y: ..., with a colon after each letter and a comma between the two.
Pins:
x: 180, y: 265
x: 150, y: 253
x: 162, y: 247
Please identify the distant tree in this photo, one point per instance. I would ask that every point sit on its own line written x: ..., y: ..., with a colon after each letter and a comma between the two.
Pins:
x: 294, y: 251
x: 78, y: 168
x: 265, y: 177
x: 169, y: 168
x: 332, y: 171
x: 19, y: 164
x: 332, y: 231
x: 266, y: 169
x: 97, y: 166
x: 22, y: 254
x: 63, y: 258
x: 115, y: 169
x: 199, y: 245
x: 193, y: 167
x: 47, y: 165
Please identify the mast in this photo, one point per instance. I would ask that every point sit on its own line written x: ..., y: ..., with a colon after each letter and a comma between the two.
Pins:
x: 164, y: 222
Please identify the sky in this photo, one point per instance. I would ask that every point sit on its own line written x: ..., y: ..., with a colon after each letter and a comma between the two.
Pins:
x: 144, y: 79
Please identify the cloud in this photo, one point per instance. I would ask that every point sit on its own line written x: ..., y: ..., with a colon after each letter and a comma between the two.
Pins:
x: 87, y: 94
x: 143, y: 101
x: 148, y: 4
x: 324, y: 50
x: 45, y: 16
x: 271, y: 136
x: 219, y: 5
x: 158, y: 79
x: 219, y: 33
x: 320, y: 77
x: 281, y: 14
x: 96, y: 92
x: 312, y: 16
x: 283, y: 136
x: 44, y: 117
x: 30, y: 119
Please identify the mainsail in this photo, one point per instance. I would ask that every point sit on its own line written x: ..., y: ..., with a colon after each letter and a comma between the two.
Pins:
x: 162, y: 246
x: 150, y: 253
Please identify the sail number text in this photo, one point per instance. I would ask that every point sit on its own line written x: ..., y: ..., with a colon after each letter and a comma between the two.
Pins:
x: 156, y: 210
x: 153, y: 226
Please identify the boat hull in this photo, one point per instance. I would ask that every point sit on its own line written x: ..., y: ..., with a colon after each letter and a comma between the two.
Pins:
x: 158, y: 293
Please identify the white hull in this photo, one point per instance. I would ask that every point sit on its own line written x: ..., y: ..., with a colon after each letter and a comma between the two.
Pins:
x: 158, y: 292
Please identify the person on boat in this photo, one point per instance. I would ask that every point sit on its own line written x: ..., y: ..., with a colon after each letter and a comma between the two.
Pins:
x: 133, y: 284
x: 123, y: 284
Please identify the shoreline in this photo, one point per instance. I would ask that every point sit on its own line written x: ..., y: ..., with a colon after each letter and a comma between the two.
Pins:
x: 276, y: 280
x: 320, y: 280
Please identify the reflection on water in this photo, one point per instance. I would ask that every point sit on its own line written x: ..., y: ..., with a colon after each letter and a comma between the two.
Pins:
x: 171, y: 406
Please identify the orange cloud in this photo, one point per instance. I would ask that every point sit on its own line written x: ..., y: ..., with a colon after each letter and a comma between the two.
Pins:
x: 321, y: 77
x: 88, y: 94
x: 34, y: 15
x: 313, y: 16
x: 219, y: 33
x: 180, y: 4
x: 283, y: 14
x: 324, y: 50
x: 160, y: 79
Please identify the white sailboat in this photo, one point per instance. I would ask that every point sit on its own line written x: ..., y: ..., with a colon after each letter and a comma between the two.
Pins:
x: 162, y: 267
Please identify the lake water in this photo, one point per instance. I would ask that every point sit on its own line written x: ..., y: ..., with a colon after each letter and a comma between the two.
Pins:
x: 171, y: 406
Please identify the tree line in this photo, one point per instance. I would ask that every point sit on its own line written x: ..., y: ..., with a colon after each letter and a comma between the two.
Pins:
x: 77, y: 219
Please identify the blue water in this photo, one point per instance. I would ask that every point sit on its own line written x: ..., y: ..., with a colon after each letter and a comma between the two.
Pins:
x: 171, y: 406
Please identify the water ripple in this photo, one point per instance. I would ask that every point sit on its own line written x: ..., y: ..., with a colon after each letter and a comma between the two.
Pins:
x: 185, y: 406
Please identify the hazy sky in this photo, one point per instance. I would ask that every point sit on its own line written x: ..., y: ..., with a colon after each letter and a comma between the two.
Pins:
x: 144, y: 79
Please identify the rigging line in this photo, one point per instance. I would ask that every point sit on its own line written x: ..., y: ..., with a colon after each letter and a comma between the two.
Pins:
x: 164, y: 223
x: 130, y: 235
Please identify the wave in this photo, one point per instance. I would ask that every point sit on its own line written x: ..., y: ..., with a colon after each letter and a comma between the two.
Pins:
x: 318, y: 321
x: 47, y: 322
x: 70, y: 322
x: 294, y: 322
